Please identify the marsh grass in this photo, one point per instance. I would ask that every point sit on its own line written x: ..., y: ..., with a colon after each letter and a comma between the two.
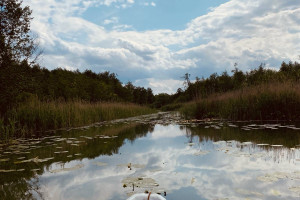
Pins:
x: 35, y: 115
x: 277, y: 101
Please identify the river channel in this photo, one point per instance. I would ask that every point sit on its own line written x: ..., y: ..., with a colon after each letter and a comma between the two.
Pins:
x: 161, y: 153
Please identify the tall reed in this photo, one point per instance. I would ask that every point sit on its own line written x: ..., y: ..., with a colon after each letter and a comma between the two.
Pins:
x: 277, y: 101
x: 36, y: 115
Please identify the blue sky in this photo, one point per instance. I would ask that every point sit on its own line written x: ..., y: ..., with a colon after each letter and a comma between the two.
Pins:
x: 152, y: 43
x: 152, y: 15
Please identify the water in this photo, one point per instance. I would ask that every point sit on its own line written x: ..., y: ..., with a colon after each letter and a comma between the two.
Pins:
x: 163, y: 154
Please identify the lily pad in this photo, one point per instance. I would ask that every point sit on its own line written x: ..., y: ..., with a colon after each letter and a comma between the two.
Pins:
x: 267, y: 178
x: 76, y: 167
x: 7, y: 171
x: 140, y: 166
x: 274, y: 177
x: 247, y: 192
x: 193, y: 180
x: 276, y: 145
x: 4, y: 159
x: 275, y: 192
x: 295, y: 189
x: 200, y: 153
x: 100, y: 164
x: 141, y: 182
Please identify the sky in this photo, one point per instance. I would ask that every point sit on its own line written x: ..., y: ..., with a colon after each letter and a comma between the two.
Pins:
x: 153, y: 43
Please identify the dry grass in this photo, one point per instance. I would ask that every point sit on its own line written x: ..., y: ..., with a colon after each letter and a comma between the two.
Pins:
x: 263, y: 102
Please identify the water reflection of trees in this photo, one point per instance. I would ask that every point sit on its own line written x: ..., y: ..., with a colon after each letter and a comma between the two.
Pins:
x: 289, y: 139
x: 25, y: 184
x: 285, y: 137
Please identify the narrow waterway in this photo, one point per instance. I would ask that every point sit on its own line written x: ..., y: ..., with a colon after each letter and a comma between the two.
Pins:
x: 159, y: 153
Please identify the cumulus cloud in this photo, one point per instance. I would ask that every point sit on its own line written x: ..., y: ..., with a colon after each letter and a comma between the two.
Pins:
x: 246, y: 32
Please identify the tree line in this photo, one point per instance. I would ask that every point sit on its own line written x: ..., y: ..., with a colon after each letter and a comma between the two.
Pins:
x: 202, y: 88
x: 20, y: 81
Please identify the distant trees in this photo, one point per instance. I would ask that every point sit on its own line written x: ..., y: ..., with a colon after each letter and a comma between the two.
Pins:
x: 215, y: 83
x: 24, y: 81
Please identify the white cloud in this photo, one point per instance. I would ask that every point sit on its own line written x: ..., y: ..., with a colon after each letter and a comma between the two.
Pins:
x: 247, y: 32
x: 160, y: 85
x: 112, y: 20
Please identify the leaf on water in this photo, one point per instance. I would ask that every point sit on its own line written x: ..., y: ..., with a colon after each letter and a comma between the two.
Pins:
x: 247, y: 192
x: 100, y: 164
x: 246, y: 143
x: 22, y: 161
x: 193, y: 180
x: 4, y: 159
x: 295, y: 175
x: 281, y: 175
x: 6, y: 171
x: 200, y: 153
x: 275, y: 192
x: 140, y: 182
x: 76, y: 167
x: 156, y: 170
x: 130, y: 165
x: 277, y: 145
x: 295, y: 189
x: 75, y: 145
x: 274, y: 177
x: 219, y: 142
x: 267, y: 178
x: 140, y: 166
x: 77, y: 154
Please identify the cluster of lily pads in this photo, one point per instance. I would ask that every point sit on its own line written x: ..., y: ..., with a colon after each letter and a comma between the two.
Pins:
x: 21, y: 154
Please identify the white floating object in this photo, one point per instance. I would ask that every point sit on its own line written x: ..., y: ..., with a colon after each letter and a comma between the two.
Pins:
x: 277, y: 145
x: 262, y: 144
x: 145, y: 197
x: 246, y: 143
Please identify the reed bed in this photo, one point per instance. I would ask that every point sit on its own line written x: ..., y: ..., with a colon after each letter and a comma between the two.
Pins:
x: 35, y: 115
x: 276, y: 101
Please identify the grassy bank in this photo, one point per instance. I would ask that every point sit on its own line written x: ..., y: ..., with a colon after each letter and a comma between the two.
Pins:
x: 35, y: 115
x: 277, y: 101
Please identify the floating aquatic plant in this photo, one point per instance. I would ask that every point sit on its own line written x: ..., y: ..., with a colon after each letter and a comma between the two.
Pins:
x: 141, y: 182
x: 100, y: 164
x: 76, y: 167
x: 200, y: 153
x: 295, y: 189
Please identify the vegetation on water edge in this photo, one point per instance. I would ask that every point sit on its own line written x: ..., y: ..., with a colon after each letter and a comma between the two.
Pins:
x: 35, y: 115
x: 276, y: 101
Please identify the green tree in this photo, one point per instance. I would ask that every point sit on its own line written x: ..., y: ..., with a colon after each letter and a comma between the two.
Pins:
x: 16, y: 41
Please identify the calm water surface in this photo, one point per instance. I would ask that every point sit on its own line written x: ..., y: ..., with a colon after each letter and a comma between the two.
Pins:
x: 163, y: 154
